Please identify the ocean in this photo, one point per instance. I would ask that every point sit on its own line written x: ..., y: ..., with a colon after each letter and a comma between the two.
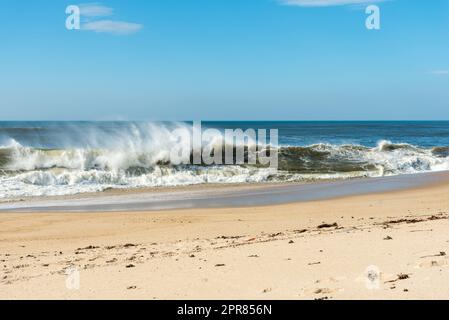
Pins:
x: 64, y: 158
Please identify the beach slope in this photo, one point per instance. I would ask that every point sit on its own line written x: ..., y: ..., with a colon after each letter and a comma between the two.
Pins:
x: 390, y: 245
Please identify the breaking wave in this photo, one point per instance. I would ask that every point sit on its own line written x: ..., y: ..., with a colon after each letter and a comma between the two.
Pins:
x: 138, y: 155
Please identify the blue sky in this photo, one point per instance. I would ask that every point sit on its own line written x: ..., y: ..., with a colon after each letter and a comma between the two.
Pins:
x: 224, y: 60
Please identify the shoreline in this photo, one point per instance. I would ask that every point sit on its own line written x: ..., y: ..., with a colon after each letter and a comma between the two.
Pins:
x: 222, y: 196
x: 304, y: 250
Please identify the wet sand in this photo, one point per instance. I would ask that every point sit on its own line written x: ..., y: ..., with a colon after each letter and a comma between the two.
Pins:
x: 381, y: 245
x: 221, y: 196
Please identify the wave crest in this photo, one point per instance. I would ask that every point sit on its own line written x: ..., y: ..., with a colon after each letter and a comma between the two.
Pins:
x: 89, y: 160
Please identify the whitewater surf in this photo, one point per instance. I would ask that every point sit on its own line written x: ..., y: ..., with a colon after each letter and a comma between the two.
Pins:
x: 48, y: 159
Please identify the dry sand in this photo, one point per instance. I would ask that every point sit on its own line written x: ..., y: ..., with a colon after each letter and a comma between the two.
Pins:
x: 273, y: 252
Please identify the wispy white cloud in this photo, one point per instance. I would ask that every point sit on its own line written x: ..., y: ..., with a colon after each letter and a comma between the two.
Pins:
x: 440, y: 72
x: 95, y: 10
x: 326, y: 3
x: 92, y: 12
x: 112, y: 27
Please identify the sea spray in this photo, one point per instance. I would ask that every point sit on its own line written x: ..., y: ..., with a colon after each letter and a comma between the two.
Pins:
x: 60, y: 159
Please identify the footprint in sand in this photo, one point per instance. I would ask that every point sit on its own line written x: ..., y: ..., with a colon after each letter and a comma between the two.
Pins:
x: 322, y: 287
x: 318, y: 293
x: 433, y: 263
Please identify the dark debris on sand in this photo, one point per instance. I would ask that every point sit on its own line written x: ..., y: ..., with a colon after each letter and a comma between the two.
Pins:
x: 401, y: 276
x: 328, y: 225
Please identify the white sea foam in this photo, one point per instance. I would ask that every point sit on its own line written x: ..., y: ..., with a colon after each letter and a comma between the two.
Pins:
x: 92, y: 159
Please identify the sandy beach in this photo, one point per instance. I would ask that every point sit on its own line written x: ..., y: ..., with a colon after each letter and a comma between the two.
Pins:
x: 224, y: 150
x: 389, y: 245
